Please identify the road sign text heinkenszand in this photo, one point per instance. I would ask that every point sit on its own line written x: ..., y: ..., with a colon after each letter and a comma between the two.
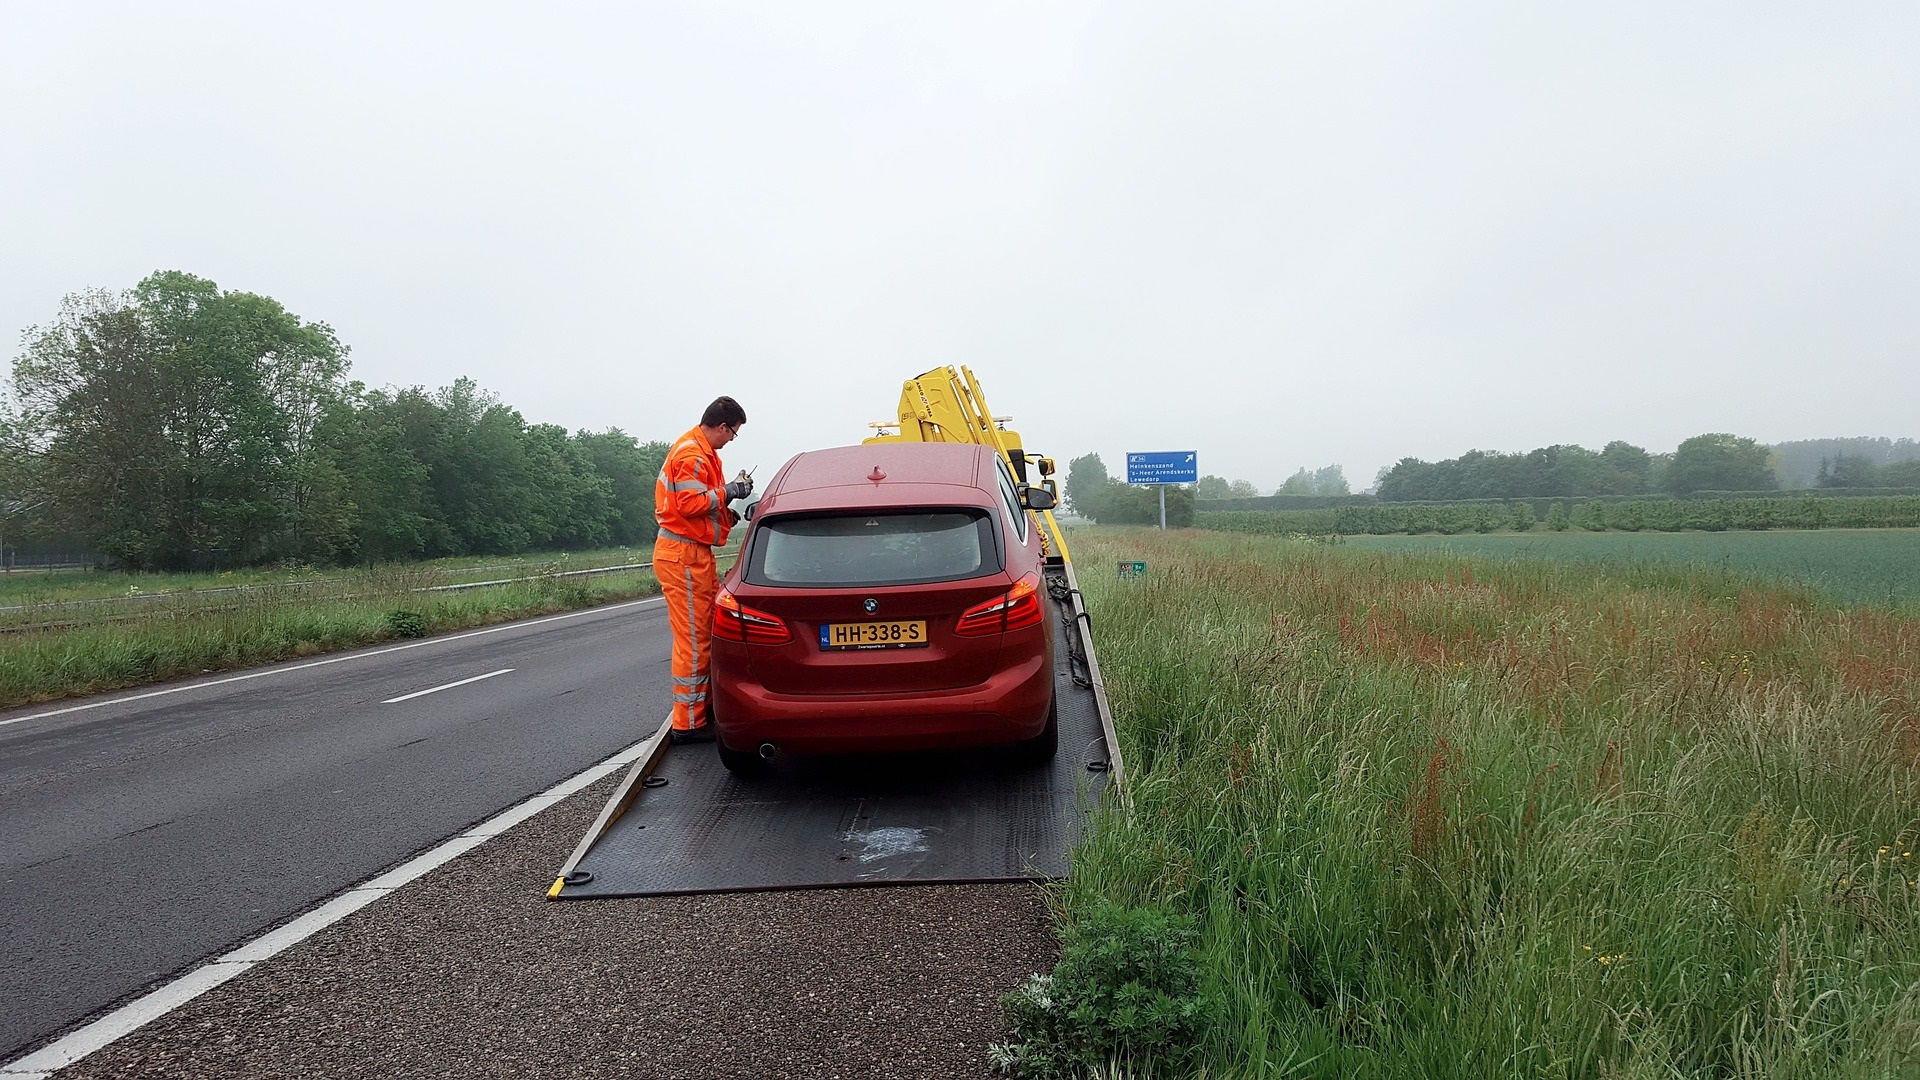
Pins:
x: 1163, y: 467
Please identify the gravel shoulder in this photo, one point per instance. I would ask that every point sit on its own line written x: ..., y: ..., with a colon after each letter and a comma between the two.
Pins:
x: 471, y: 972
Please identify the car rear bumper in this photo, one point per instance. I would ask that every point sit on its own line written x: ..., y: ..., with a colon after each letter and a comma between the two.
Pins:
x: 1009, y: 707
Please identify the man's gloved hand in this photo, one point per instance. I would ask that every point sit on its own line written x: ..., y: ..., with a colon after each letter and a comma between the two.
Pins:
x: 741, y: 487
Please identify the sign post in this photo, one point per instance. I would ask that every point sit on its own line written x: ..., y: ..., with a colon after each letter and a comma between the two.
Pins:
x: 1163, y: 467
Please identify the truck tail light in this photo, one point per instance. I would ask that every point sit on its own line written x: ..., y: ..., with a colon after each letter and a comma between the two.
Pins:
x: 735, y: 622
x: 1016, y: 608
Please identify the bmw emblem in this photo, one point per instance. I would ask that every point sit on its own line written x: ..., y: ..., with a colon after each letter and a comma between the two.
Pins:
x: 870, y: 604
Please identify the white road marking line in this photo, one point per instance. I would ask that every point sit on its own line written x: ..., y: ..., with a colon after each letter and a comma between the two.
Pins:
x: 144, y: 1010
x: 323, y: 663
x: 449, y: 686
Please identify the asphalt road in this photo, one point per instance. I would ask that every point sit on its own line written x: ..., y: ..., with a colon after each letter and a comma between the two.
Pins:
x: 142, y: 836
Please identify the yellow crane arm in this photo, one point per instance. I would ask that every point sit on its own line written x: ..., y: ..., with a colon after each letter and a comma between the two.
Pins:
x: 947, y: 405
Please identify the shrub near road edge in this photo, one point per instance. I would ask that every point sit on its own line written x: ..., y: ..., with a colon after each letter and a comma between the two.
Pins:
x: 1459, y: 819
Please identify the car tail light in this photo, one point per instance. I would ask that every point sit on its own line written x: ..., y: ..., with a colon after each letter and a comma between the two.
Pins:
x: 737, y: 623
x: 1011, y: 610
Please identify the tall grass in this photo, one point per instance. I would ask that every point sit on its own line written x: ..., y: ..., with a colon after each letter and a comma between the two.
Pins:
x: 1446, y: 818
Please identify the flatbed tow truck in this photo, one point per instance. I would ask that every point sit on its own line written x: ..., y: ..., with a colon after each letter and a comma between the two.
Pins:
x: 681, y: 823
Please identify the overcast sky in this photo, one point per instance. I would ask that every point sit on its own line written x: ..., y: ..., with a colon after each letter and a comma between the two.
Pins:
x: 1283, y: 235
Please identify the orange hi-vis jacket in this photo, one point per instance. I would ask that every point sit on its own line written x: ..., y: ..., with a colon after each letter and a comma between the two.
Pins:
x: 690, y: 496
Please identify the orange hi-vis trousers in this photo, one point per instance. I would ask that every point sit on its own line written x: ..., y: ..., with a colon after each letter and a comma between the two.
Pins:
x: 688, y: 581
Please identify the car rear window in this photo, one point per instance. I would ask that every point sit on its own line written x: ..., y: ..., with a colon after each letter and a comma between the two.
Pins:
x: 893, y: 548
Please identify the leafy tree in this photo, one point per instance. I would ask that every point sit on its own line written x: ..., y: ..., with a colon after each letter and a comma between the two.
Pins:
x: 1631, y: 465
x: 1326, y: 480
x: 1520, y: 516
x: 1849, y: 472
x: 1901, y: 474
x: 376, y: 442
x: 1243, y: 489
x: 1213, y: 487
x: 1087, y: 485
x: 174, y: 423
x: 630, y: 467
x: 1719, y: 462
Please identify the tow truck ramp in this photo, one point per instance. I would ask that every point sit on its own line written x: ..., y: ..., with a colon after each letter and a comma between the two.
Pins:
x: 681, y: 823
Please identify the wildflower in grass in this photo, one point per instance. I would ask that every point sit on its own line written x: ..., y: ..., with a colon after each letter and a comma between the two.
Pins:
x: 1884, y: 849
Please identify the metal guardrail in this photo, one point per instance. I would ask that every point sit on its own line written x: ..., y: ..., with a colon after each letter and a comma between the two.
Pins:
x: 564, y: 573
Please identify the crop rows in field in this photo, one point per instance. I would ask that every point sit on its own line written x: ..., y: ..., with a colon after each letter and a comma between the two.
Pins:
x: 1879, y: 567
x: 1673, y: 515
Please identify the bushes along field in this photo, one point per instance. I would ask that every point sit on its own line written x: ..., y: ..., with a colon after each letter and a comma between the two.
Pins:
x: 1440, y: 818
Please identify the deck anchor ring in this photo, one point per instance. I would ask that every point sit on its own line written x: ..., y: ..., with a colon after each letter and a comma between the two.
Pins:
x: 578, y: 877
x: 1099, y: 766
x: 654, y: 781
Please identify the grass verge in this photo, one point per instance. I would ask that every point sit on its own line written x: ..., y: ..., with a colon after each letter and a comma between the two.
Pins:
x: 1440, y: 817
x: 193, y: 635
x: 31, y: 588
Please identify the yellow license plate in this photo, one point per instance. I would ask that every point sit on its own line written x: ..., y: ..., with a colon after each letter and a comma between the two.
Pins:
x: 873, y: 635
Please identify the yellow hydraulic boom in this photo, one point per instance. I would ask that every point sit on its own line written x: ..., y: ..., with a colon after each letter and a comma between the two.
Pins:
x: 946, y: 405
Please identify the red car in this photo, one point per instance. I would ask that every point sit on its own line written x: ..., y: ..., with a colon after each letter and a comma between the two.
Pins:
x: 887, y: 597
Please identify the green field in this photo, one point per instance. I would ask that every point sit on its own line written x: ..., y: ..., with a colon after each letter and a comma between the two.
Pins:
x: 1429, y: 814
x: 1879, y: 567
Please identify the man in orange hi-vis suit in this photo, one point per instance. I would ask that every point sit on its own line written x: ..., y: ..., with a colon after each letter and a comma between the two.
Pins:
x: 690, y: 502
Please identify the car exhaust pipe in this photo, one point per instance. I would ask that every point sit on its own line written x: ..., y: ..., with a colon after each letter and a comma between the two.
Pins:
x: 767, y: 750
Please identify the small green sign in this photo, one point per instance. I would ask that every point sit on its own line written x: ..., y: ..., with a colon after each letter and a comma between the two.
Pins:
x: 1133, y: 569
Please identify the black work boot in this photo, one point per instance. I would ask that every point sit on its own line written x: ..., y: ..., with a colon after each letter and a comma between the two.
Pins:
x: 703, y: 733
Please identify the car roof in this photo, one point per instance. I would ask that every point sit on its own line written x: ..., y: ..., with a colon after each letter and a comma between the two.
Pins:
x: 914, y: 474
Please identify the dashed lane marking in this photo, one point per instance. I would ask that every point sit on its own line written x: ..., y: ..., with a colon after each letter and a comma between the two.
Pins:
x: 448, y: 686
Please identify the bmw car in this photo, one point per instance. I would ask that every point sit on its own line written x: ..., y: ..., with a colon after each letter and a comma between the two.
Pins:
x: 887, y: 597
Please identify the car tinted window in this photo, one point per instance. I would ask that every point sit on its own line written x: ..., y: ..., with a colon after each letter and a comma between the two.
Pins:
x: 895, y: 548
x: 1010, y: 495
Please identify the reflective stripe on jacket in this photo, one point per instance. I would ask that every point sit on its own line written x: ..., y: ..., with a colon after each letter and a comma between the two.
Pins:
x: 690, y: 495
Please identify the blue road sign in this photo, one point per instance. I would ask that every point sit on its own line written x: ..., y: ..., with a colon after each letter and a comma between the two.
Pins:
x: 1163, y: 467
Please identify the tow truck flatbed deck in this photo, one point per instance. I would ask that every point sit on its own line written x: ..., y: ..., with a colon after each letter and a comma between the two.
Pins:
x: 681, y: 823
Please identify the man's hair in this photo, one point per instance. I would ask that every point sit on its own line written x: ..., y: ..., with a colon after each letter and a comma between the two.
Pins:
x: 724, y: 411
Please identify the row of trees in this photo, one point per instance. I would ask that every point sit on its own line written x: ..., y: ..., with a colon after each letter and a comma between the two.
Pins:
x: 1865, y: 472
x: 1329, y: 480
x: 1093, y: 494
x: 1806, y: 463
x: 1711, y: 462
x: 178, y: 425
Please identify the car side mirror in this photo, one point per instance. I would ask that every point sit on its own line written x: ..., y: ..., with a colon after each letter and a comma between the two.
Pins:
x: 1037, y: 498
x: 746, y: 512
